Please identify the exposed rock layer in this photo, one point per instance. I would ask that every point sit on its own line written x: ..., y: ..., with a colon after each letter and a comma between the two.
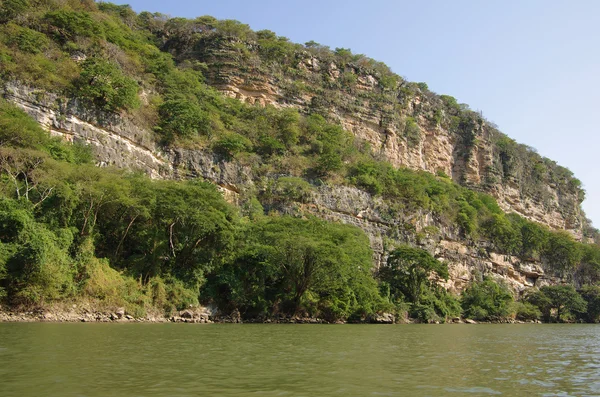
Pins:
x: 119, y: 142
x: 379, y: 116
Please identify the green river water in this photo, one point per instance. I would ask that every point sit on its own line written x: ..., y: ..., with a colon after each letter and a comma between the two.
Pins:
x: 44, y: 359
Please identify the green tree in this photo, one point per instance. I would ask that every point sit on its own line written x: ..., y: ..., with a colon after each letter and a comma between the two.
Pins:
x: 562, y: 253
x: 408, y: 273
x: 297, y: 266
x: 562, y: 298
x: 591, y: 295
x: 487, y: 300
x: 188, y: 234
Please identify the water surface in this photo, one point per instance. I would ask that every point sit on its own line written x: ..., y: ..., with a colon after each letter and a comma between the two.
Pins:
x: 298, y: 360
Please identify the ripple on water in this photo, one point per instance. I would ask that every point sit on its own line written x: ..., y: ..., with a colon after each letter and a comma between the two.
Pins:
x: 95, y: 360
x: 475, y: 390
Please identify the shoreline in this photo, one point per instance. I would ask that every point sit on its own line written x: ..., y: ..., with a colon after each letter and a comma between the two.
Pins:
x: 189, y: 316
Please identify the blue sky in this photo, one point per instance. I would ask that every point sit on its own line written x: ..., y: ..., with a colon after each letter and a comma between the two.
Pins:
x: 531, y: 66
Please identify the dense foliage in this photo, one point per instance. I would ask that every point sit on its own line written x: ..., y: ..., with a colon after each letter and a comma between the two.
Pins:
x: 410, y: 281
x: 294, y: 266
x: 487, y: 300
x: 563, y: 300
x: 70, y: 230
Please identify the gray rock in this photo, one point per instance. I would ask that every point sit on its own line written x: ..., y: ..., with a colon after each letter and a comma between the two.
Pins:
x: 385, y: 318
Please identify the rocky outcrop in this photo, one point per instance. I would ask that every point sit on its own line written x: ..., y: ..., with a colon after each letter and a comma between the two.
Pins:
x: 466, y: 261
x: 114, y: 140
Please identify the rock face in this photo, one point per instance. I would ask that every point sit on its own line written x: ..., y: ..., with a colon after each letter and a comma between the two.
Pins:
x: 407, y: 125
x: 115, y: 141
x: 465, y: 262
x: 119, y: 142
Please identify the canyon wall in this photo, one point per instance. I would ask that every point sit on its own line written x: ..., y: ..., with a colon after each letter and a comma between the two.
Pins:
x: 405, y: 123
x: 120, y: 143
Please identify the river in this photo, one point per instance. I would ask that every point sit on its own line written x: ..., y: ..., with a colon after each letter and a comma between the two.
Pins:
x: 43, y: 359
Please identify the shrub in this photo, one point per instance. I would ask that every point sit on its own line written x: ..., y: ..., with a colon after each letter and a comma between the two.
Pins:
x: 501, y: 232
x: 412, y: 132
x: 70, y: 24
x: 103, y: 283
x: 287, y: 189
x: 39, y: 270
x: 487, y: 300
x: 104, y: 84
x: 525, y: 311
x: 10, y: 9
x: 182, y: 118
x: 26, y: 39
x: 231, y: 144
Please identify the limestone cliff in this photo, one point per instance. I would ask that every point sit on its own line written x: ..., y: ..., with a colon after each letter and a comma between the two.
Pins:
x: 119, y: 142
x: 404, y: 122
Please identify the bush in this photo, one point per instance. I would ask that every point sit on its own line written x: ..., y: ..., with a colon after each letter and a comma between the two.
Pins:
x: 11, y: 9
x: 40, y: 269
x: 412, y: 132
x: 436, y: 305
x: 230, y: 145
x: 286, y: 190
x: 104, y: 84
x: 501, y: 232
x: 71, y: 24
x: 182, y: 118
x: 525, y: 311
x: 26, y: 39
x: 103, y: 283
x: 487, y: 300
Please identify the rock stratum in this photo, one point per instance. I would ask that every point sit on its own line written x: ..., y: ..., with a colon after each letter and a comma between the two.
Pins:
x: 407, y: 125
x: 118, y: 141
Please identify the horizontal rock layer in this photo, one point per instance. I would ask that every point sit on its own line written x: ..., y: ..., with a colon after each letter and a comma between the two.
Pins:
x: 119, y: 142
x: 379, y: 116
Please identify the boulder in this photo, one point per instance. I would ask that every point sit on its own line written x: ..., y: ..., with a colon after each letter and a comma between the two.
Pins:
x: 384, y: 318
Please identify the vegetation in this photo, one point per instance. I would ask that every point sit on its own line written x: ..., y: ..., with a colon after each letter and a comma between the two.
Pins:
x: 408, y: 283
x: 69, y: 230
x: 487, y: 300
x: 294, y: 266
x: 562, y: 300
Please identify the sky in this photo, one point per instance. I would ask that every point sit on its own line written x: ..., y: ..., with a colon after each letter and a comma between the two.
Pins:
x: 531, y: 66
